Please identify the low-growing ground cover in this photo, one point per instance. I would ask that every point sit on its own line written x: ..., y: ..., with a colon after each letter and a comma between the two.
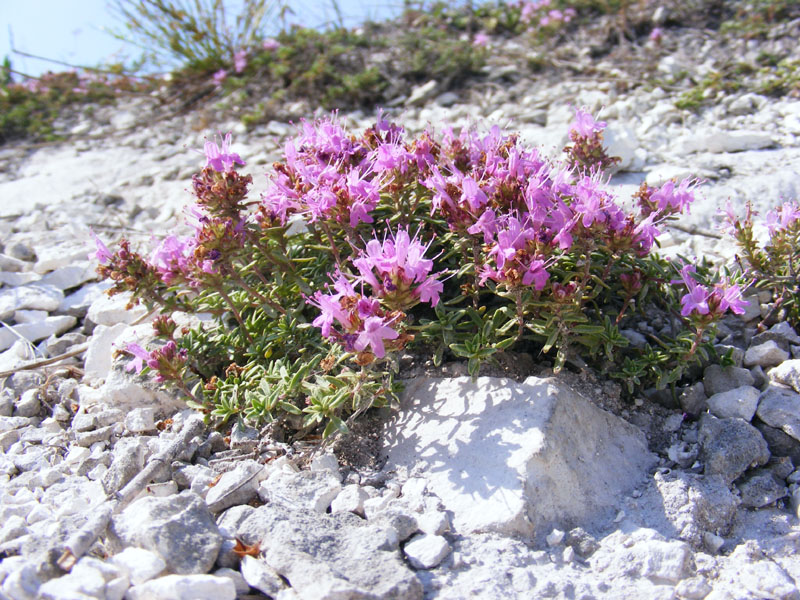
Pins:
x: 446, y: 246
x: 377, y: 64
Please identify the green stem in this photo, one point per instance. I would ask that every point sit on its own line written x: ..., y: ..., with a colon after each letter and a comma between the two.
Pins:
x: 235, y: 312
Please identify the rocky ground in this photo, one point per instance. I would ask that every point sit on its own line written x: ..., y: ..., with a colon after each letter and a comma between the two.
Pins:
x: 514, y: 487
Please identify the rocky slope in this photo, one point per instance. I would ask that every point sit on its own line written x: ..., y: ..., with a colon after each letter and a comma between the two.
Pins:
x: 486, y: 489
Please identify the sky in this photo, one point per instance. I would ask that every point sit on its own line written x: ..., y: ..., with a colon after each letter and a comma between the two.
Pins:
x: 74, y: 31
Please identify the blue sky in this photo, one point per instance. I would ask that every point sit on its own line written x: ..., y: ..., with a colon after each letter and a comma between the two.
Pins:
x: 73, y: 31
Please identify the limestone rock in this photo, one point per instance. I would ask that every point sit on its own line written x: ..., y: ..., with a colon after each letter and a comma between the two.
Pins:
x: 779, y: 407
x: 761, y: 488
x: 312, y: 490
x: 260, y: 576
x: 730, y: 446
x: 328, y: 557
x: 238, y: 486
x: 139, y: 564
x: 781, y: 333
x: 515, y: 458
x: 426, y: 551
x: 350, y: 499
x: 765, y: 355
x: 178, y: 528
x: 787, y: 373
x: 643, y: 553
x: 36, y: 331
x: 29, y: 297
x: 89, y: 578
x: 184, y: 587
x: 737, y: 403
x: 109, y: 311
x: 717, y: 379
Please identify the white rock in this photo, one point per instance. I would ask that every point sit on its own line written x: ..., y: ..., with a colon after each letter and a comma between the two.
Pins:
x: 326, y: 462
x: 70, y: 276
x: 16, y: 279
x: 515, y: 458
x: 717, y: 141
x: 9, y: 423
x: 765, y: 355
x: 36, y: 331
x: 261, y: 576
x: 158, y: 490
x: 622, y: 142
x: 99, y: 354
x: 738, y: 403
x: 669, y: 65
x: 141, y: 419
x: 663, y: 173
x: 239, y: 582
x: 31, y: 297
x: 29, y: 405
x: 423, y: 92
x: 18, y: 354
x: 433, y: 522
x: 50, y: 258
x: 89, y: 578
x: 77, y: 303
x: 426, y: 551
x: 29, y: 316
x: 787, y: 373
x: 375, y: 505
x: 140, y: 565
x: 555, y: 537
x: 663, y: 562
x: 109, y: 311
x: 76, y: 454
x: 350, y: 499
x: 11, y: 264
x: 184, y: 587
x: 312, y: 490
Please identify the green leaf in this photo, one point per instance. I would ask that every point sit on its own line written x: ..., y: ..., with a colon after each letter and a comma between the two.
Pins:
x: 334, y: 424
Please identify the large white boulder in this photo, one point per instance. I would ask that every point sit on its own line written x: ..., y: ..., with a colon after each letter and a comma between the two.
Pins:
x: 516, y: 458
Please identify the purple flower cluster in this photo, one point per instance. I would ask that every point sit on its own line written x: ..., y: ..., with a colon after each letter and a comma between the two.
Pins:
x: 166, y: 361
x: 700, y: 300
x: 782, y: 217
x: 539, y: 11
x: 398, y: 272
x: 399, y: 277
x: 359, y: 321
x: 527, y: 211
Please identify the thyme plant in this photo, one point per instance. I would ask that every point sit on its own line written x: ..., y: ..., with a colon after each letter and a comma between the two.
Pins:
x: 365, y: 247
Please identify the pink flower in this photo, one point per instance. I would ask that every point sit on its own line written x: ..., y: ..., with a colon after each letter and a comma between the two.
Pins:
x: 220, y: 76
x: 102, y: 254
x: 375, y: 331
x: 782, y: 217
x: 695, y: 301
x: 674, y: 199
x: 239, y: 60
x: 140, y: 356
x: 271, y: 44
x: 221, y: 158
x: 697, y: 298
x: 536, y: 275
x: 585, y: 125
x: 656, y: 34
x: 480, y: 40
x: 730, y: 297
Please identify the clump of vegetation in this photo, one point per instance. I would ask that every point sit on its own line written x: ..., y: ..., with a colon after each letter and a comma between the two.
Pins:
x: 367, y: 246
x: 29, y: 110
x: 773, y: 264
x: 196, y: 34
